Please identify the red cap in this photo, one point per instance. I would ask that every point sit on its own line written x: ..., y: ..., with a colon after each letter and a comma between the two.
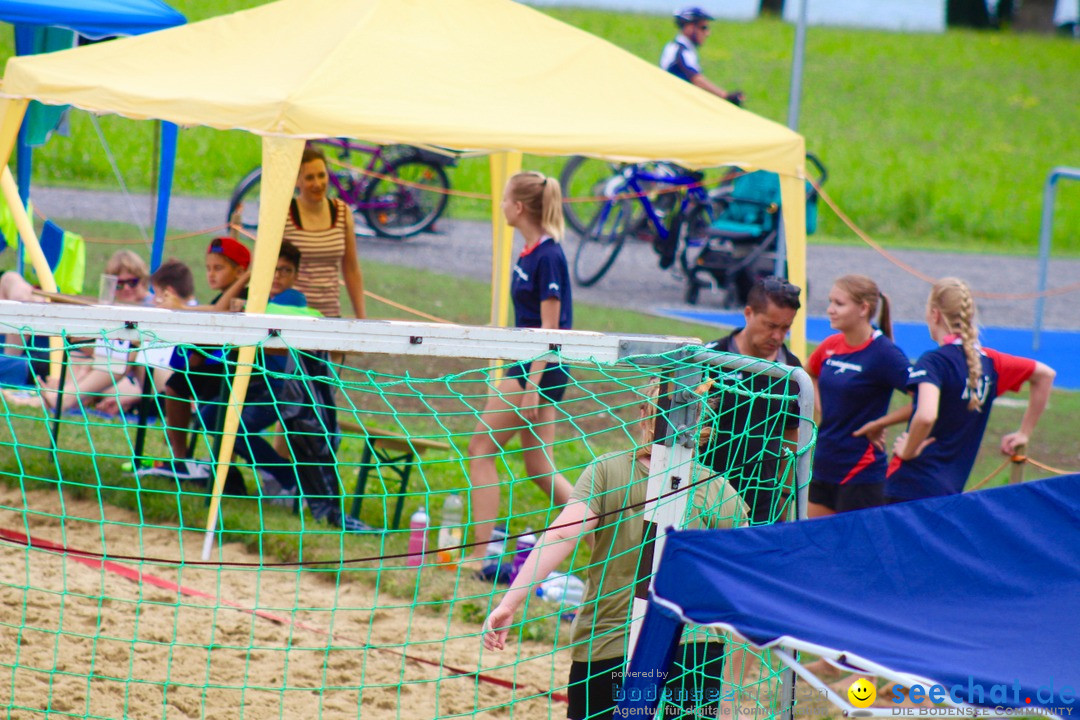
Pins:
x: 232, y: 249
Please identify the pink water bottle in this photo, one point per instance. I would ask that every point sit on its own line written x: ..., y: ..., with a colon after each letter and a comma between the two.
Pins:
x: 418, y: 529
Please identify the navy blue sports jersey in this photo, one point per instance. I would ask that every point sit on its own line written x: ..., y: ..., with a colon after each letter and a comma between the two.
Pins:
x: 944, y: 465
x: 680, y: 58
x: 539, y: 274
x: 855, y: 384
x: 747, y: 435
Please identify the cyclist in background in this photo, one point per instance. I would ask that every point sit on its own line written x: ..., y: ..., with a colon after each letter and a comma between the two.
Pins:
x: 680, y: 55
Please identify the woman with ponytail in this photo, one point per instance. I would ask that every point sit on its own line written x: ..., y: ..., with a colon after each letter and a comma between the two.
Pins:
x: 955, y: 385
x: 855, y: 372
x: 525, y: 400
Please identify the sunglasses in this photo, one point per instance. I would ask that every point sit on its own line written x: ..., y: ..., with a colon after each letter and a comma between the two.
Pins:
x: 215, y: 246
x: 130, y: 283
x: 779, y: 286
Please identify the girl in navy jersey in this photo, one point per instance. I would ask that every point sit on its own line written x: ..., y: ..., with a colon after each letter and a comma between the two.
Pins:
x: 524, y: 402
x: 955, y: 386
x: 855, y: 372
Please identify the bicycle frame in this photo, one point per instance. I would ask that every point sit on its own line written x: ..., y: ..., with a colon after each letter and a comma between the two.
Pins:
x: 354, y: 192
x: 630, y: 179
x: 695, y: 194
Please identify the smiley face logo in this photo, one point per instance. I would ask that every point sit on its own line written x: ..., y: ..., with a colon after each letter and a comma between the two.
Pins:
x: 862, y: 693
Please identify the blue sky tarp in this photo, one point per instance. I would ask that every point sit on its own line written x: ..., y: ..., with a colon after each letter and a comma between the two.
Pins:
x: 93, y: 18
x: 975, y: 590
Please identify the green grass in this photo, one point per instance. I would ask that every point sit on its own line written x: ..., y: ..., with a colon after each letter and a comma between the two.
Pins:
x: 930, y: 140
x: 88, y: 463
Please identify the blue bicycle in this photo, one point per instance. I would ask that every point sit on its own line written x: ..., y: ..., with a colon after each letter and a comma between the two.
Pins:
x: 653, y: 200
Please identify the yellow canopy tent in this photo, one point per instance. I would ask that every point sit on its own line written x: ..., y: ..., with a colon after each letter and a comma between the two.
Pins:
x: 487, y: 75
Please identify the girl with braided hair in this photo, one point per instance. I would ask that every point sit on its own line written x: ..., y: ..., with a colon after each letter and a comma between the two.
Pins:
x: 955, y: 385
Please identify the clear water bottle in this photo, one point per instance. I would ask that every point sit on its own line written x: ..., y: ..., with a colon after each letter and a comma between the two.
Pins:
x: 494, y: 568
x: 418, y: 529
x: 450, y: 529
x: 525, y: 544
x: 563, y: 589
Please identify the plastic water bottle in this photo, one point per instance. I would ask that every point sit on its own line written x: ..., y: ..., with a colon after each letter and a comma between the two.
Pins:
x: 418, y: 527
x: 563, y: 589
x: 450, y: 534
x: 494, y: 568
x: 525, y: 544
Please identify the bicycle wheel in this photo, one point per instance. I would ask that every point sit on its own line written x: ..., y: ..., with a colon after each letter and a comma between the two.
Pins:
x: 244, y: 201
x: 584, y: 177
x: 399, y: 210
x: 600, y: 245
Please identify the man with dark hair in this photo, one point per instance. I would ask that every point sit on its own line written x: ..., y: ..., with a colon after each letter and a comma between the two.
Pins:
x: 680, y: 55
x: 752, y: 428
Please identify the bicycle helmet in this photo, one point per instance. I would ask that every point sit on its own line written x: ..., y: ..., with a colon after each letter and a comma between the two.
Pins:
x: 689, y: 15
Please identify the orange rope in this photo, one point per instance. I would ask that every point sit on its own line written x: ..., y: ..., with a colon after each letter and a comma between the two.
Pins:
x: 406, y: 308
x: 1017, y: 459
x: 1048, y: 468
x: 183, y: 236
x: 373, y: 296
x: 486, y: 196
x: 406, y: 183
x: 991, y: 476
x: 1073, y: 287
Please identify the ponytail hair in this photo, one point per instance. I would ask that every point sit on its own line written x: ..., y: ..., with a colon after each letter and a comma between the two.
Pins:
x: 864, y: 291
x: 953, y: 299
x: 541, y: 199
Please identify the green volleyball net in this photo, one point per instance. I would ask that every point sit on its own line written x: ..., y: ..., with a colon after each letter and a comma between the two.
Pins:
x: 325, y: 601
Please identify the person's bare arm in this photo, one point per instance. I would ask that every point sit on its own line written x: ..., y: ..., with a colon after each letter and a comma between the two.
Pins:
x: 549, y: 319
x: 708, y: 85
x: 1041, y: 382
x: 350, y: 270
x: 911, y: 443
x: 874, y: 431
x: 554, y: 546
x: 171, y: 301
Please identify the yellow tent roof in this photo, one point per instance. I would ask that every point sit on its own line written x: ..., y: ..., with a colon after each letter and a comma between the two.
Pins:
x: 479, y: 74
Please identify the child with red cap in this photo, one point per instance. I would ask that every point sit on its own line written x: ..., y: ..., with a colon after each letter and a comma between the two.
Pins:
x: 200, y: 370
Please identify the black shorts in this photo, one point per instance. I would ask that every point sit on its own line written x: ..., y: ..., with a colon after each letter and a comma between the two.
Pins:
x: 595, y: 687
x: 553, y: 382
x: 202, y: 385
x: 845, y: 498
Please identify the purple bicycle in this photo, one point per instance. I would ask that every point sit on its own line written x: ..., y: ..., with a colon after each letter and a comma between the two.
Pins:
x: 400, y: 191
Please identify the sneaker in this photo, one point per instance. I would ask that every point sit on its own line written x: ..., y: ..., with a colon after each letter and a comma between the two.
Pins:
x: 178, y: 469
x: 494, y: 570
x: 349, y: 524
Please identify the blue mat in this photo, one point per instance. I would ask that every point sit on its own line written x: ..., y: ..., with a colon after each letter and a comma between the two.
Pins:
x: 1059, y: 348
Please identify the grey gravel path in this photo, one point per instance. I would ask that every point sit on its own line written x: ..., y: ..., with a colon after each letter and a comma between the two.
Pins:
x: 462, y: 248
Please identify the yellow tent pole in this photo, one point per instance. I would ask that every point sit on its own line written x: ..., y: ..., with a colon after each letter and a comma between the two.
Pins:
x: 12, y: 111
x: 25, y: 226
x: 793, y: 206
x: 503, y: 165
x: 281, y: 162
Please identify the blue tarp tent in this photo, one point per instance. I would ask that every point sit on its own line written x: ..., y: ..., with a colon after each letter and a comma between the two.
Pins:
x: 970, y: 592
x: 96, y: 19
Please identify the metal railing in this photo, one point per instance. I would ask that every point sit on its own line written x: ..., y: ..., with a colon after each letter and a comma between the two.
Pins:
x: 1046, y: 228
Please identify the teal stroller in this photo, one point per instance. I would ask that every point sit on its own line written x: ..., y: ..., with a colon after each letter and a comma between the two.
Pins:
x: 741, y: 244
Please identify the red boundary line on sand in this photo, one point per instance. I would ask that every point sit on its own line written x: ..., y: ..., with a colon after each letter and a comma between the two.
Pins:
x: 137, y: 576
